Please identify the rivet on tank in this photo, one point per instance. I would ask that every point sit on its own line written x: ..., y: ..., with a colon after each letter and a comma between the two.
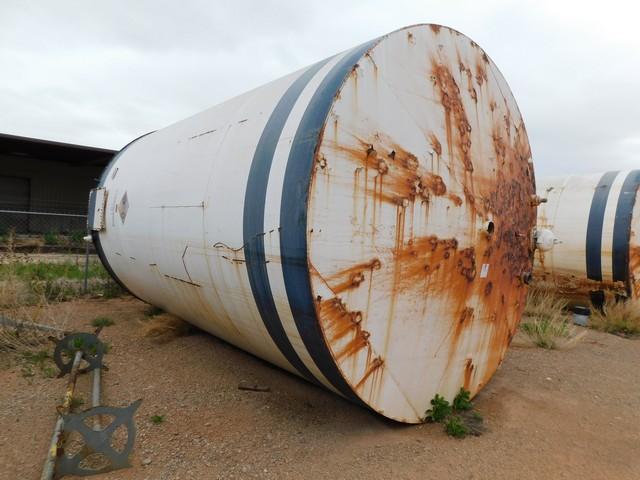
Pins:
x: 365, y: 222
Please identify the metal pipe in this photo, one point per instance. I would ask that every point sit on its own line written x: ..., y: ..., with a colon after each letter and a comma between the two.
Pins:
x: 44, y: 213
x: 50, y: 462
x: 95, y: 396
x: 86, y: 266
x: 18, y: 324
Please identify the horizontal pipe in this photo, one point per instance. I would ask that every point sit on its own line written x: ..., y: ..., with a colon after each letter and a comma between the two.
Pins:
x: 9, y: 322
x: 25, y: 212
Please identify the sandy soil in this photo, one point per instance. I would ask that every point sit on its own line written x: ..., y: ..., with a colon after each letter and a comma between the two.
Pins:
x: 550, y: 414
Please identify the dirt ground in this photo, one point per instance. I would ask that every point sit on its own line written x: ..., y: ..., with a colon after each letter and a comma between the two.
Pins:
x: 550, y: 414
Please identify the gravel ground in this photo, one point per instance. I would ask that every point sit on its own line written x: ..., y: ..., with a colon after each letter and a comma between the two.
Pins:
x: 550, y: 414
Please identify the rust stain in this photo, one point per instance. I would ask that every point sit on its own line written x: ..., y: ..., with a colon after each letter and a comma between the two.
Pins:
x: 339, y: 323
x: 433, y: 183
x: 458, y: 128
x: 435, y: 28
x: 351, y: 277
x: 469, y: 367
x: 457, y: 201
x: 399, y: 174
x: 481, y: 74
x: 464, y: 321
x: 634, y: 270
x: 435, y: 143
x: 576, y: 289
x: 374, y: 365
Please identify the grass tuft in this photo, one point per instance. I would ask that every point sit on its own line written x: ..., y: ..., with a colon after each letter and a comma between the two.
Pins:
x: 617, y: 317
x: 165, y: 327
x: 102, y: 322
x: 76, y: 402
x: 545, y: 323
x: 157, y: 419
x: 51, y: 238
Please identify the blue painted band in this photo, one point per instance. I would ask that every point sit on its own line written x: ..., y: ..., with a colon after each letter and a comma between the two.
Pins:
x: 293, y: 219
x: 253, y: 219
x: 622, y: 228
x: 594, y: 226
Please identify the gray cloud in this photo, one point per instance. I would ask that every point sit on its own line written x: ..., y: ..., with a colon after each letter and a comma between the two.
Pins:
x: 102, y: 73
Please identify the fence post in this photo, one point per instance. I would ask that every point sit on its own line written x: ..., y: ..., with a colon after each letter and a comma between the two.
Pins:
x: 87, y: 239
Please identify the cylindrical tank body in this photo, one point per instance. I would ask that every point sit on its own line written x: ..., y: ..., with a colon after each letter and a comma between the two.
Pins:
x: 364, y: 222
x: 596, y: 221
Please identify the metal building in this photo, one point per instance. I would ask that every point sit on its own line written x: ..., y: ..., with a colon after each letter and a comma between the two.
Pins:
x: 46, y: 177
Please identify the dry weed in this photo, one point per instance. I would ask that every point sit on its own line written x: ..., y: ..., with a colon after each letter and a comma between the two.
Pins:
x: 546, y: 323
x: 617, y: 317
x: 165, y: 327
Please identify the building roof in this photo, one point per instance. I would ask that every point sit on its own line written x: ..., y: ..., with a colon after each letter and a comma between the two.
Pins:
x: 54, y: 151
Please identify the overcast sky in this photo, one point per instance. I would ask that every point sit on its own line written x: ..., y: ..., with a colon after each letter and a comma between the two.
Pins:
x: 101, y: 73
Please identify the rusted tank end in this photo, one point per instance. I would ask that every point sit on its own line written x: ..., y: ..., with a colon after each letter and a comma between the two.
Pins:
x: 421, y: 225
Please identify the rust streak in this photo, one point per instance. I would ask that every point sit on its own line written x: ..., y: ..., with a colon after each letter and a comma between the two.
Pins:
x: 457, y: 125
x: 374, y: 365
x: 351, y: 277
x: 338, y: 323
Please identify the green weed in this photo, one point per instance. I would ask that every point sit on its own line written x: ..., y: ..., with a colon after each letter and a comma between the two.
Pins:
x: 157, y: 419
x: 462, y: 401
x: 455, y: 427
x: 76, y: 402
x: 51, y: 238
x: 102, y: 322
x: 458, y: 418
x: 440, y: 409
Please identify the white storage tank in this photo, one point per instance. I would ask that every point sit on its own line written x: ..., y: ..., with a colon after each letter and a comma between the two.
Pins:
x: 364, y: 223
x: 596, y: 222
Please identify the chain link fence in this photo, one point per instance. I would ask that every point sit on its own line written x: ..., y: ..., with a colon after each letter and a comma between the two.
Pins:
x: 48, y: 229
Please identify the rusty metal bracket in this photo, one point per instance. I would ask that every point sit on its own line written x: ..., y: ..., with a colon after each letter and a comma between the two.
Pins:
x: 98, y: 441
x: 88, y: 343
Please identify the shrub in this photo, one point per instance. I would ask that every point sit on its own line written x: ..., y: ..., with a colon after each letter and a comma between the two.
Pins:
x: 462, y: 401
x: 440, y: 409
x: 459, y: 419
